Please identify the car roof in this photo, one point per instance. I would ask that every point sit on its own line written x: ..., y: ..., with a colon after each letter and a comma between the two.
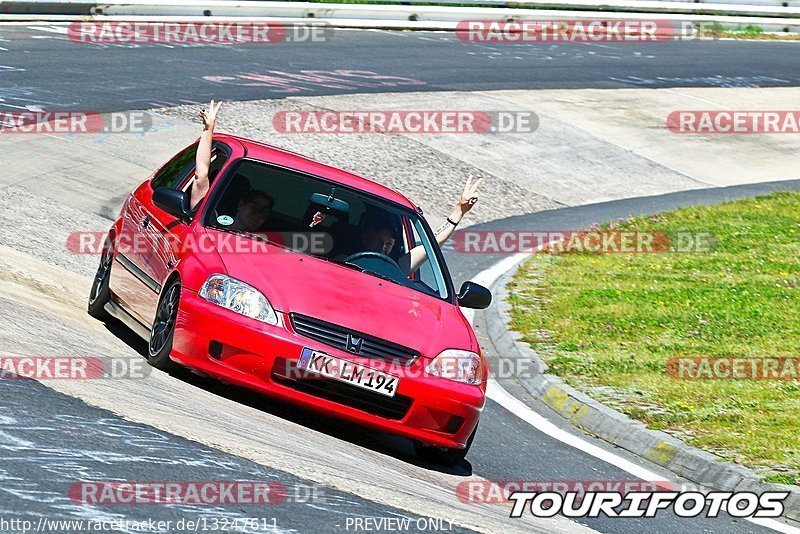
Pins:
x: 293, y: 160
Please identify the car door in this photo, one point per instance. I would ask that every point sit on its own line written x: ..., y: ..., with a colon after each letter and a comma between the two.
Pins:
x: 168, y: 236
x: 134, y: 282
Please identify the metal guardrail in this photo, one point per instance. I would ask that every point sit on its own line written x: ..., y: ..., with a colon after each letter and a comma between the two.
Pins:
x: 769, y: 8
x: 759, y: 8
x: 401, y: 14
x: 778, y: 8
x: 643, y: 4
x: 526, y: 3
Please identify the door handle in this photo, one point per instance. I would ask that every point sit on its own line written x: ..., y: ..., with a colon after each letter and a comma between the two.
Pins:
x: 145, y: 221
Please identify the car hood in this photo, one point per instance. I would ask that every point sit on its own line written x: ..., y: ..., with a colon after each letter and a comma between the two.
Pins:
x: 299, y: 283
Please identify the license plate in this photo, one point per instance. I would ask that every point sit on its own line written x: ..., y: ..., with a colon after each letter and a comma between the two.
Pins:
x: 347, y: 371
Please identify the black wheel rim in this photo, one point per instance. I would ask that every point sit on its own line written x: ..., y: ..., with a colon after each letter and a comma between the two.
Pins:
x: 165, y: 320
x: 101, y: 277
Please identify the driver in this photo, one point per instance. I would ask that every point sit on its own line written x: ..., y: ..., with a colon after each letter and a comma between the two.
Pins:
x: 252, y: 211
x: 382, y: 238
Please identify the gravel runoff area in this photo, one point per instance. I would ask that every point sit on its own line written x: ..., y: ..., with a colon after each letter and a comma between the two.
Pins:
x: 41, y: 227
x: 430, y: 178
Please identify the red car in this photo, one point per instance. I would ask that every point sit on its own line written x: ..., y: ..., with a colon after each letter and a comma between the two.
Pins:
x: 291, y: 278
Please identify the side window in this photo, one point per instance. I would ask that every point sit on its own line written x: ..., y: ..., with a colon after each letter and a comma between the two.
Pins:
x: 425, y: 273
x: 172, y: 174
x: 218, y: 159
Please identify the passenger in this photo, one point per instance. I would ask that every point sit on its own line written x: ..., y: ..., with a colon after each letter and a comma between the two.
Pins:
x: 253, y: 209
x: 201, y: 184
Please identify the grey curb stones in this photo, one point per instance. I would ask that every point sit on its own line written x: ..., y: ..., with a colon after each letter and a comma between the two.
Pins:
x: 700, y: 467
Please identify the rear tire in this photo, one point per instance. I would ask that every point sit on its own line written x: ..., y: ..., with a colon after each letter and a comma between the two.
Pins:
x: 100, y: 294
x: 441, y: 455
x: 160, y: 345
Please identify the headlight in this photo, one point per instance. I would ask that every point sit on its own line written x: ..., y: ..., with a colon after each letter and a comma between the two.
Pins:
x: 239, y: 297
x: 459, y: 365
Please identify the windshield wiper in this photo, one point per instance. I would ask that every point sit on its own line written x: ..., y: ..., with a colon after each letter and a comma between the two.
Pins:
x: 258, y: 236
x: 352, y: 265
x: 361, y: 269
x: 228, y: 231
x: 382, y: 276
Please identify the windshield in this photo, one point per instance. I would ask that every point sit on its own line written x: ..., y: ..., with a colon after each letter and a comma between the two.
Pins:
x: 329, y: 221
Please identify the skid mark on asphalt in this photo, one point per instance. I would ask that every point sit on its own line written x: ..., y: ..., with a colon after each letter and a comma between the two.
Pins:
x: 29, y: 98
x: 49, y: 442
x: 703, y: 81
x: 277, y: 81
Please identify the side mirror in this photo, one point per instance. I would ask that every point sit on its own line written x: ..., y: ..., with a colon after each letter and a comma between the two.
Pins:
x: 173, y: 202
x: 474, y: 296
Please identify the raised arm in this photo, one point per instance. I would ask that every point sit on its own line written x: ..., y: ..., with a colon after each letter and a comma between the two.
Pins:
x: 417, y: 256
x: 203, y: 158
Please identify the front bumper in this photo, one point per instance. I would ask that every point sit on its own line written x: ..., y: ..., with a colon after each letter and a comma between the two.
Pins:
x: 260, y: 357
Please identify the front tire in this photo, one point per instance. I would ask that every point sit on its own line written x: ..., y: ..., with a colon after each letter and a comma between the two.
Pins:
x: 100, y: 294
x: 160, y: 345
x: 441, y: 455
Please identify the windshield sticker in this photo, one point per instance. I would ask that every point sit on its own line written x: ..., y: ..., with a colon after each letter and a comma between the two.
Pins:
x: 225, y: 220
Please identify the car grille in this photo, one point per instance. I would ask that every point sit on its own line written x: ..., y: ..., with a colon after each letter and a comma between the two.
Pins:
x: 285, y: 372
x: 336, y: 336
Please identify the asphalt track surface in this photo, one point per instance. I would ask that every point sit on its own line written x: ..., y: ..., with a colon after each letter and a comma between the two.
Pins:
x: 40, y: 66
x: 50, y: 440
